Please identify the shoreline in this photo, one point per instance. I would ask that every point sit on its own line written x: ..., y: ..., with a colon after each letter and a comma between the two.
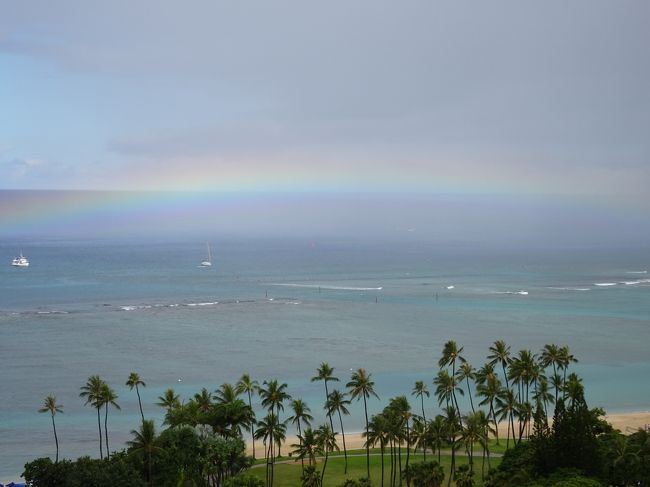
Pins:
x: 627, y: 423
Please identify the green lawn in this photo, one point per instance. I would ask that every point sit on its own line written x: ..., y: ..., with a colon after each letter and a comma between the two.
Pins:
x: 288, y: 475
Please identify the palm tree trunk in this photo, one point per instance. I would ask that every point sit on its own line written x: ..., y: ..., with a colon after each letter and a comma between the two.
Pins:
x: 250, y: 405
x: 302, y: 457
x: 108, y: 455
x: 408, y: 451
x: 345, y: 450
x: 139, y: 402
x: 424, y: 419
x: 382, y: 446
x: 494, y: 417
x: 365, y: 408
x: 322, y: 475
x: 327, y: 395
x: 56, y: 440
x: 469, y: 393
x: 99, y: 425
x: 399, y: 459
x: 453, y: 462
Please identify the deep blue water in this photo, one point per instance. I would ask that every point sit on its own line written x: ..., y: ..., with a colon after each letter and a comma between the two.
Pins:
x: 276, y: 309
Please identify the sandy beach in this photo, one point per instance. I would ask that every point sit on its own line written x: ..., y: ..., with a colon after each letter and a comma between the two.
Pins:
x: 627, y: 423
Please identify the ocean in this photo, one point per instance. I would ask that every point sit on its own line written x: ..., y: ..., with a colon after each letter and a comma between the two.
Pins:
x: 277, y: 308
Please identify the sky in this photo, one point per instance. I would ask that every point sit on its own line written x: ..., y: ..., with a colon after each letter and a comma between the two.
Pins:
x: 517, y: 105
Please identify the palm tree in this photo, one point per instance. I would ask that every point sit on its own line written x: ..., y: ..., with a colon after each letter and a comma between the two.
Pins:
x: 500, y: 353
x: 566, y: 358
x: 453, y: 428
x: 450, y: 355
x: 108, y: 398
x: 325, y: 373
x: 378, y: 433
x: 227, y: 393
x: 273, y: 396
x: 336, y: 402
x: 264, y: 432
x: 144, y: 441
x: 446, y: 388
x: 420, y: 390
x: 490, y: 391
x: 402, y: 410
x: 551, y: 356
x: 203, y: 400
x: 465, y: 373
x: 50, y: 406
x: 300, y: 415
x: 361, y: 386
x: 326, y: 438
x: 169, y: 400
x: 92, y: 391
x: 506, y: 407
x: 307, y: 446
x: 437, y: 434
x: 135, y: 381
x: 248, y: 386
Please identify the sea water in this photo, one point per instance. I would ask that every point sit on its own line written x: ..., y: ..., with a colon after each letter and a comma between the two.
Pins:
x: 278, y: 308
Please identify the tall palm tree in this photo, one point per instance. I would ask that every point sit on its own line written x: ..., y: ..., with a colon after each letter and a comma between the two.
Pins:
x: 402, y: 409
x: 92, y: 391
x: 144, y: 441
x: 465, y: 373
x: 273, y: 396
x: 490, y: 391
x: 169, y: 400
x: 566, y: 358
x: 500, y: 353
x: 250, y: 387
x: 326, y: 374
x: 551, y: 356
x: 264, y: 432
x: 451, y: 354
x: 135, y: 381
x: 420, y: 390
x: 300, y: 415
x: 437, y: 434
x: 361, y: 386
x: 453, y: 428
x: 271, y: 431
x: 506, y: 407
x: 336, y: 402
x: 108, y: 398
x: 378, y: 433
x: 326, y: 439
x: 50, y: 406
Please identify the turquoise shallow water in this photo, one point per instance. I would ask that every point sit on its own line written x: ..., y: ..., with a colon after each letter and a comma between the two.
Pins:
x: 276, y: 309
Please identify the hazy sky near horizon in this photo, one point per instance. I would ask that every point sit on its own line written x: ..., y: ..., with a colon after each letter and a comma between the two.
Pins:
x: 527, y: 101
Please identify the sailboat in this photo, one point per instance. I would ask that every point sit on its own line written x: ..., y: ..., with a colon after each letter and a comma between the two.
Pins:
x: 20, y: 261
x: 208, y: 261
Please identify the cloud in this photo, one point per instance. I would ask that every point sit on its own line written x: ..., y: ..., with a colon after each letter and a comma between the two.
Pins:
x: 512, y: 95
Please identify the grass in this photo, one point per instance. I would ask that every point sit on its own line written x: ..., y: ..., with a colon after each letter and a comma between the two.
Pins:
x: 288, y: 475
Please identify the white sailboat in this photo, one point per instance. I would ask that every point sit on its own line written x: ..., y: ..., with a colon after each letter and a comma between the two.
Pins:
x: 20, y: 261
x: 208, y: 261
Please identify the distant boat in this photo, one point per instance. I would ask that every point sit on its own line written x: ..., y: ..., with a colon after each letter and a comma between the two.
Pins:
x: 20, y: 261
x: 208, y: 261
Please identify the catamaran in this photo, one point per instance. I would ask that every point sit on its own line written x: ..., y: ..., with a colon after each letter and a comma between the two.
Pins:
x: 208, y: 261
x: 20, y: 261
